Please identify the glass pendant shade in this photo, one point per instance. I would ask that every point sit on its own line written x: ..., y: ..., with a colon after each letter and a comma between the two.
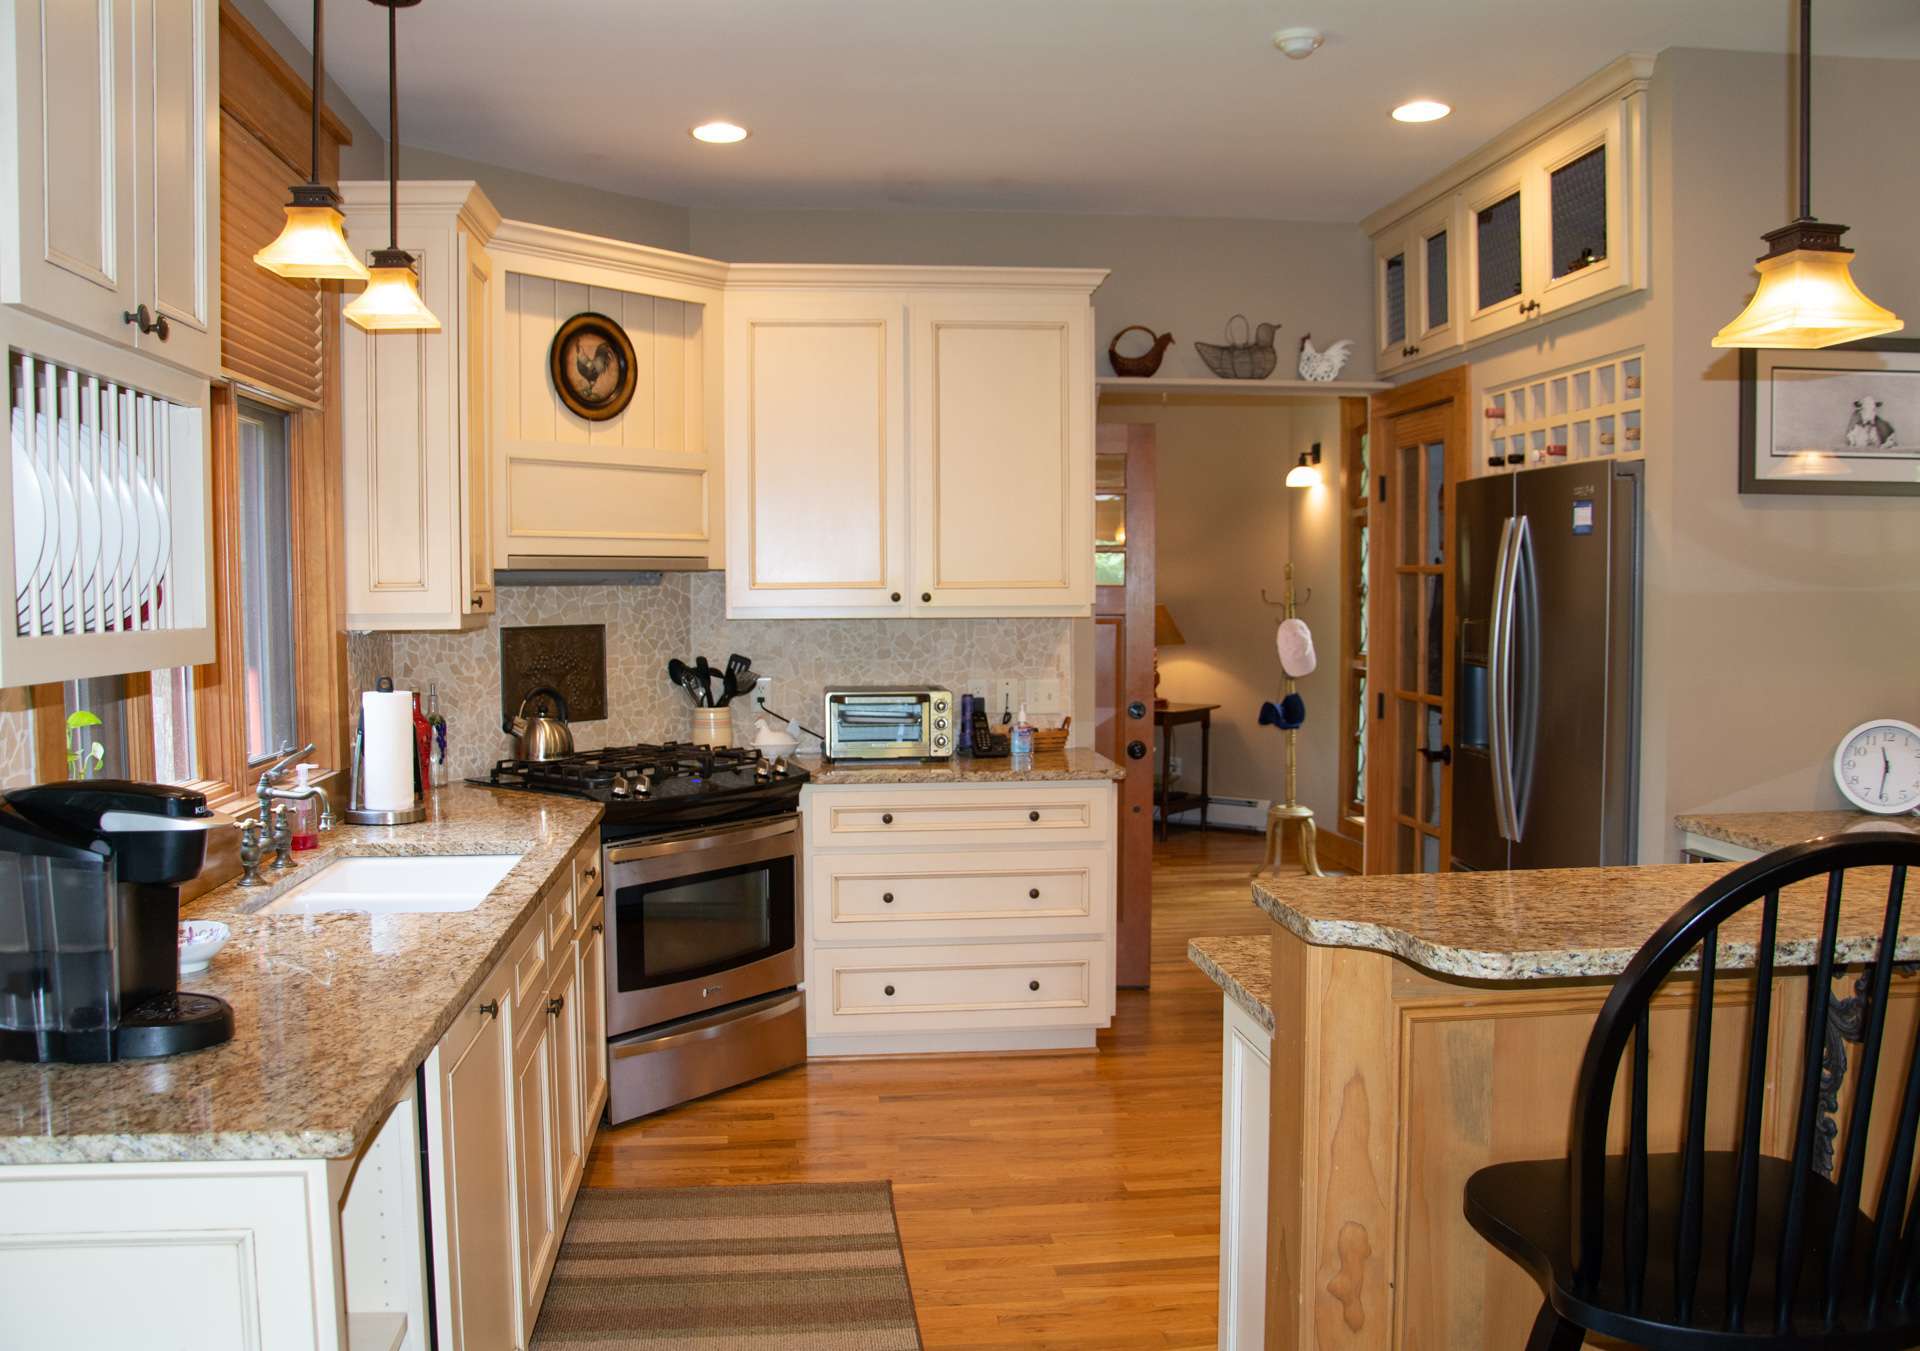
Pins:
x: 392, y: 300
x: 1807, y: 299
x: 1303, y: 476
x: 312, y: 246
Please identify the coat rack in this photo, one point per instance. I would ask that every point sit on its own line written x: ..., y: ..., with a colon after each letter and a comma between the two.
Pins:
x: 1291, y: 810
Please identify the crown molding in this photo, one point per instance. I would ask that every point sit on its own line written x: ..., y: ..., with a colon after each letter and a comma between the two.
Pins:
x: 459, y: 197
x: 1615, y: 80
x: 615, y: 255
x: 840, y: 277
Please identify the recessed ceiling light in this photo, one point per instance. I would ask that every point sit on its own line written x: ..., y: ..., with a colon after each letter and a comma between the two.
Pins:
x: 1421, y: 110
x: 726, y: 133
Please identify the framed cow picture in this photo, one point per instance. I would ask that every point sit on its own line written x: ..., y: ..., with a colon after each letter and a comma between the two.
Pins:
x: 1841, y: 419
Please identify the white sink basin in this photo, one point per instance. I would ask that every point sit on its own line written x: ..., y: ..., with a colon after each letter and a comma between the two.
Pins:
x: 397, y: 886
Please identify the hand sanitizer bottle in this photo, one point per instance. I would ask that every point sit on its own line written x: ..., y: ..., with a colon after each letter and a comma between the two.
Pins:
x: 1022, y: 737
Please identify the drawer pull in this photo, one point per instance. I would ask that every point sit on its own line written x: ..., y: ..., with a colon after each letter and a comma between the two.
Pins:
x: 591, y: 874
x: 1033, y: 816
x: 889, y: 992
x: 886, y: 818
x: 1033, y: 893
x: 886, y: 898
x: 490, y: 1009
x: 1033, y: 985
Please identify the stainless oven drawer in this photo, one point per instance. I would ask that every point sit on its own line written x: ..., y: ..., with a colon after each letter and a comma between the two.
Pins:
x: 656, y: 1069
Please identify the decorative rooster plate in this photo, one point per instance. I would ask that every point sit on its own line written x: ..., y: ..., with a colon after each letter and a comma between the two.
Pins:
x: 591, y: 362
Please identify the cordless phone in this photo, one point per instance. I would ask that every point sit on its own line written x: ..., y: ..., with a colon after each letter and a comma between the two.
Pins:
x: 986, y: 745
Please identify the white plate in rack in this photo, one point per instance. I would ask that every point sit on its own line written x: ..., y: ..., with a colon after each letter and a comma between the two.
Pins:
x: 29, y: 516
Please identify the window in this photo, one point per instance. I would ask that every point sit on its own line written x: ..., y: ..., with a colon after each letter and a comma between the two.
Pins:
x: 267, y: 618
x: 1356, y: 495
x: 136, y: 726
x: 1110, y: 520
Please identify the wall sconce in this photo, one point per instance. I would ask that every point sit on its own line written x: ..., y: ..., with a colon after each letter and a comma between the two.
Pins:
x: 1306, y: 474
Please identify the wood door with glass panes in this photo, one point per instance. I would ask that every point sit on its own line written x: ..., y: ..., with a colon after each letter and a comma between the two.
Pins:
x: 1123, y: 565
x: 1418, y: 437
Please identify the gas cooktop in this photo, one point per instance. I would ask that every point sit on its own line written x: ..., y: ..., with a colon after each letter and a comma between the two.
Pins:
x: 650, y: 789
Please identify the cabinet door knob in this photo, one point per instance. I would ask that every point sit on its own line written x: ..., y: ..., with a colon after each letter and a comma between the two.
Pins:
x: 889, y: 992
x: 1033, y: 985
x: 1033, y: 816
x: 490, y: 1009
x: 886, y: 818
x: 886, y: 898
x: 1033, y: 893
x: 926, y: 597
x: 590, y: 874
x: 476, y: 602
x: 1136, y: 750
x: 599, y: 927
x: 555, y: 1004
x: 896, y: 598
x: 147, y: 321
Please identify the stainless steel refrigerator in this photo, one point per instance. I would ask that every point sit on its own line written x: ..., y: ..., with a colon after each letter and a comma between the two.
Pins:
x: 1546, y: 720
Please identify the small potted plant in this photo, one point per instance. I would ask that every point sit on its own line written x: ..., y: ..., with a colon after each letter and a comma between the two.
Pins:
x: 85, y: 756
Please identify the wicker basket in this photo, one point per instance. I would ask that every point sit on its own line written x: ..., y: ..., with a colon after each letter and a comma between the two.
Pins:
x: 1148, y: 362
x: 1049, y: 738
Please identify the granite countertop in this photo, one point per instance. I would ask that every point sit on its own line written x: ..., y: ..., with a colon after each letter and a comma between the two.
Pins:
x: 1047, y: 766
x: 1241, y: 966
x: 1557, y: 924
x: 332, y: 1012
x: 1767, y: 831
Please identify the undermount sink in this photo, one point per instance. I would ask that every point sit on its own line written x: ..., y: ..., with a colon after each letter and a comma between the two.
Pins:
x: 397, y: 886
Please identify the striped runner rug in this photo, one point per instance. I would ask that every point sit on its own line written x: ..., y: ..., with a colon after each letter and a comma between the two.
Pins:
x: 799, y: 1267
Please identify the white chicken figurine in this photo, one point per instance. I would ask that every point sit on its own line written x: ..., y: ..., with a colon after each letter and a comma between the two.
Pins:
x: 1327, y: 365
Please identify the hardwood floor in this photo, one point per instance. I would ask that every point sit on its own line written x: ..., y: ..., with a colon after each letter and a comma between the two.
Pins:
x: 1047, y: 1200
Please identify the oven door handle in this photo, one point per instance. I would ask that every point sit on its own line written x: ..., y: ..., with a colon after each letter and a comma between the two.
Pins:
x: 706, y: 840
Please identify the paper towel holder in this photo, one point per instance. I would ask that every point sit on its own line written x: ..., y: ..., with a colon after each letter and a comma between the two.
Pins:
x: 357, y: 813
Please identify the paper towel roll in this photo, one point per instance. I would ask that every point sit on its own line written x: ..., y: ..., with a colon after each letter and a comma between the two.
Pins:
x: 387, y: 750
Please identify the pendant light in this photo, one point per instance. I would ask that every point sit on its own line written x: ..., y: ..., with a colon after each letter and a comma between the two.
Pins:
x: 1807, y: 297
x: 313, y: 243
x: 392, y: 299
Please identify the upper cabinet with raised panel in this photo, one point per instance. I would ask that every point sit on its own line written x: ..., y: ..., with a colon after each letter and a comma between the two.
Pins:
x: 909, y: 441
x: 416, y: 474
x: 1550, y: 217
x: 109, y: 185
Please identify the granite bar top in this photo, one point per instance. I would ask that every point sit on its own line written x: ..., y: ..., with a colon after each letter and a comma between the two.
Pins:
x: 1242, y: 967
x: 332, y: 1012
x: 1558, y: 924
x: 1767, y: 831
x: 1046, y: 767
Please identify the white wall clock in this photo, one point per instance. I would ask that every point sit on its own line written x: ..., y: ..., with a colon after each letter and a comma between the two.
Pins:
x: 1878, y: 766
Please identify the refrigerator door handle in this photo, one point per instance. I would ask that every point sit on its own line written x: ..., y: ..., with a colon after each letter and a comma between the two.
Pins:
x: 1499, y: 681
x: 1519, y: 569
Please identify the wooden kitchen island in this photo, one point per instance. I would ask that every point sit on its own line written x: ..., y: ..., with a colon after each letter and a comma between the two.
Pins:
x: 1427, y: 1025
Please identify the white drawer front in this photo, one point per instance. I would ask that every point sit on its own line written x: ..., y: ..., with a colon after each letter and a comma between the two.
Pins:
x: 954, y: 817
x: 859, y: 897
x: 865, y: 990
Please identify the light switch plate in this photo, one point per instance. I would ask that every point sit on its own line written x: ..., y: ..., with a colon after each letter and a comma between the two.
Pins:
x: 1004, y: 700
x: 1044, y: 697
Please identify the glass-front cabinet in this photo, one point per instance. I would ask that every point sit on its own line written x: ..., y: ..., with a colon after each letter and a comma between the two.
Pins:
x: 1416, y: 287
x: 1503, y: 240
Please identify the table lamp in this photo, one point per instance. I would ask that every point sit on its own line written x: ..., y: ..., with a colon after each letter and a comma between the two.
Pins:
x: 1166, y: 633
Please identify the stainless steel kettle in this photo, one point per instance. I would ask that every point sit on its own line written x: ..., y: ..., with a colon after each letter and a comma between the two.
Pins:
x: 544, y: 736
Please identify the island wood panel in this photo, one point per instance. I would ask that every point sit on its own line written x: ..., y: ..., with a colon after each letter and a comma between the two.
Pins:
x: 1390, y: 1087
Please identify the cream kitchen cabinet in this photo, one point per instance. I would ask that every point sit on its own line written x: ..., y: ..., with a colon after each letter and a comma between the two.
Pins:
x: 514, y: 1093
x: 1548, y: 218
x: 1416, y: 286
x: 909, y: 441
x: 416, y: 424
x: 958, y: 917
x: 109, y: 183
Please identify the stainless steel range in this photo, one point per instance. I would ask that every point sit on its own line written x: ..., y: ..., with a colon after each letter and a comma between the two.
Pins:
x: 700, y: 849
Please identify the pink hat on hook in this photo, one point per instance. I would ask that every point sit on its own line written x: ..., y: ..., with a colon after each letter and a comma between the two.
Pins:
x: 1295, y: 642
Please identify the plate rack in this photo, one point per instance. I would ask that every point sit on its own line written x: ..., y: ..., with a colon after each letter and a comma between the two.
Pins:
x: 106, y: 493
x: 1575, y: 413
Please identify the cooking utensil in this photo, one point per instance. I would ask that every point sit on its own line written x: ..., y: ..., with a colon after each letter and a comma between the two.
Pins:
x: 704, y: 674
x: 544, y: 736
x: 738, y: 679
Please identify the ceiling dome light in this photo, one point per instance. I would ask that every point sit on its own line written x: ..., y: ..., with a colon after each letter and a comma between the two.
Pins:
x: 1299, y: 43
x: 1421, y: 110
x: 1807, y: 297
x: 720, y: 133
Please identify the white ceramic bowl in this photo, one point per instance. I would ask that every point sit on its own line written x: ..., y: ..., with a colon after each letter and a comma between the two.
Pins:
x: 199, y: 940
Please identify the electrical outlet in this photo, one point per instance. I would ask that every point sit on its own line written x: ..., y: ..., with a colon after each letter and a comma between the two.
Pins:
x: 762, y: 692
x: 1003, y: 701
x: 1173, y: 767
x: 1044, y: 698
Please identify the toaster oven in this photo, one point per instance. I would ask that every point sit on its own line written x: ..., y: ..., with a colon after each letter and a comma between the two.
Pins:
x: 878, y: 722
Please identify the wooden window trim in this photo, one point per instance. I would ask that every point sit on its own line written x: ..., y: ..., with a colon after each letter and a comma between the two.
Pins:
x: 1355, y: 499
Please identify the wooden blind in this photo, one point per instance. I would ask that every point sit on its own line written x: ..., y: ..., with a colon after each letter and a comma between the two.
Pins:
x: 269, y: 326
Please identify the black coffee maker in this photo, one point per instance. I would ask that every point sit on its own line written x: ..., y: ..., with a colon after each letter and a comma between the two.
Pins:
x: 90, y: 874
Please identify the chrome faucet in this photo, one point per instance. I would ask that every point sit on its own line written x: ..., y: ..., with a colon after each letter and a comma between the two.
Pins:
x: 269, y: 794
